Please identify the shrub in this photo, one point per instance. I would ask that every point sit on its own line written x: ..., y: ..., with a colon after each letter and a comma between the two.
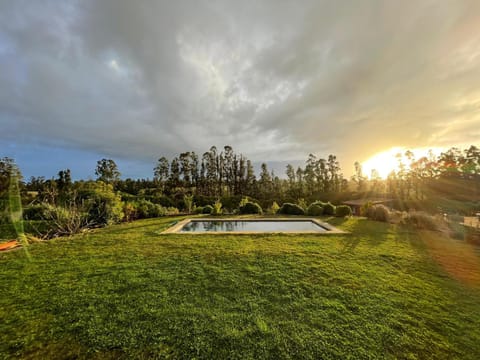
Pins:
x: 207, y: 209
x: 130, y: 211
x: 328, y: 209
x: 319, y: 203
x: 103, y: 205
x: 274, y: 208
x: 217, y: 208
x: 343, y: 210
x: 378, y: 212
x: 291, y: 209
x: 314, y: 210
x: 250, y: 208
x: 243, y: 201
x: 198, y: 210
x: 35, y: 212
x: 171, y: 211
x: 188, y: 200
x: 422, y: 220
x: 63, y: 220
x: 302, y: 203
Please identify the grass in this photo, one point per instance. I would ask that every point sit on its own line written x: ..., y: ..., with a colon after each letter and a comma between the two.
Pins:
x: 128, y: 292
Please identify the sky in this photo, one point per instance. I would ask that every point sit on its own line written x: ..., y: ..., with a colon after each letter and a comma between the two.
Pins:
x: 275, y: 79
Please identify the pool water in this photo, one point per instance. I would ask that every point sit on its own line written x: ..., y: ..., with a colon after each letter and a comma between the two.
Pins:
x: 252, y: 226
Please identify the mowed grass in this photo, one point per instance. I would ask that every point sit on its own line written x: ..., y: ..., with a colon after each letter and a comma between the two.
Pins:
x: 128, y: 292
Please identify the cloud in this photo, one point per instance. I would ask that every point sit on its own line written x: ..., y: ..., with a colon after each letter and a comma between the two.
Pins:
x: 276, y: 80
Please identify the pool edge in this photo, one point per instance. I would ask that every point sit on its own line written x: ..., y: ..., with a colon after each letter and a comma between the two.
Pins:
x: 175, y: 229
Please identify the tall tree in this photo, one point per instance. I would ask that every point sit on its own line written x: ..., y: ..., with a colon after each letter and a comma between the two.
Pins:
x: 107, y: 171
x: 161, y: 171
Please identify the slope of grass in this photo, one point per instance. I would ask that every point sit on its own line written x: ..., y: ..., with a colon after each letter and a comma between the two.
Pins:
x: 128, y: 292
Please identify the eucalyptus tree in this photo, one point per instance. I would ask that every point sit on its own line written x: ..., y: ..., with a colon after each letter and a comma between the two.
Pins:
x: 107, y: 171
x: 161, y: 171
x: 174, y: 177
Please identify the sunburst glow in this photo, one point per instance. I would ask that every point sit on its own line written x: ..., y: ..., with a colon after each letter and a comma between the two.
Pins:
x: 387, y: 161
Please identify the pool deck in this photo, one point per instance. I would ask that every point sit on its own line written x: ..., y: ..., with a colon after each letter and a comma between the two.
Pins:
x: 175, y: 229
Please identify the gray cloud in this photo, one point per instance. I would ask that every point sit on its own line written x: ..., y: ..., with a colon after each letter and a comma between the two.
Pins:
x: 274, y: 79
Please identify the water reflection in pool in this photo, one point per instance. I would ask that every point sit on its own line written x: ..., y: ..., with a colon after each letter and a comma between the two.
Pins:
x: 251, y: 226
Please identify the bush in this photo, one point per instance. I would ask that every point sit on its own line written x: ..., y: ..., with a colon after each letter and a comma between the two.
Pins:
x: 64, y: 220
x: 188, y: 201
x: 250, y: 208
x: 378, y: 213
x: 129, y: 211
x: 291, y: 209
x: 343, y: 210
x: 319, y: 203
x: 302, y: 203
x: 274, y: 208
x: 103, y: 205
x: 217, y: 208
x: 328, y: 209
x: 171, y: 211
x: 207, y: 209
x: 35, y: 212
x: 314, y: 210
x: 198, y: 210
x: 422, y: 220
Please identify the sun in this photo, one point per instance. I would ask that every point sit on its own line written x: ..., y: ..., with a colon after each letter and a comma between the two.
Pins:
x: 387, y: 161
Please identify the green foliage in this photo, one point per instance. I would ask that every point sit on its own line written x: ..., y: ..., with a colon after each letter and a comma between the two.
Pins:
x: 302, y: 203
x: 207, y: 209
x: 291, y: 209
x: 329, y: 209
x: 62, y: 220
x: 250, y: 208
x: 188, y: 200
x: 198, y: 210
x: 314, y: 210
x: 35, y: 211
x: 172, y: 211
x: 107, y: 171
x: 274, y: 208
x: 217, y: 208
x: 244, y: 201
x: 343, y: 210
x: 103, y: 205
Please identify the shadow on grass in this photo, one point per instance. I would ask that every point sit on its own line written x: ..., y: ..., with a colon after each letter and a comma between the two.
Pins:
x: 372, y: 233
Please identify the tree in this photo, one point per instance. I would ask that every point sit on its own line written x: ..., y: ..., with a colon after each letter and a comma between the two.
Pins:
x: 107, y: 171
x: 64, y: 181
x: 358, y: 177
x: 160, y: 172
x: 265, y: 183
x: 8, y: 169
x: 174, y: 178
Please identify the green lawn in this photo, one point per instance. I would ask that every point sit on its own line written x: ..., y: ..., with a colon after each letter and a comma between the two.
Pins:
x: 128, y: 292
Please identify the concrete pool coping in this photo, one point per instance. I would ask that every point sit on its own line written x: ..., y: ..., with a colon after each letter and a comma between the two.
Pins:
x: 175, y: 229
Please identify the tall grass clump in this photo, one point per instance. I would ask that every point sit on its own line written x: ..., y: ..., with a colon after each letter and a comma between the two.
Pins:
x: 217, y: 208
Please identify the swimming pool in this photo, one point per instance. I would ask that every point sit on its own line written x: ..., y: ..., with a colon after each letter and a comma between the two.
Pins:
x: 306, y: 225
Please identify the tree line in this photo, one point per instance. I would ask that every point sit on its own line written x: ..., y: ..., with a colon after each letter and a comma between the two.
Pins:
x: 225, y: 173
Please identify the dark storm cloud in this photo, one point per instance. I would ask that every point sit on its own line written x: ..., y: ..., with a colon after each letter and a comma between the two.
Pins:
x: 275, y: 79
